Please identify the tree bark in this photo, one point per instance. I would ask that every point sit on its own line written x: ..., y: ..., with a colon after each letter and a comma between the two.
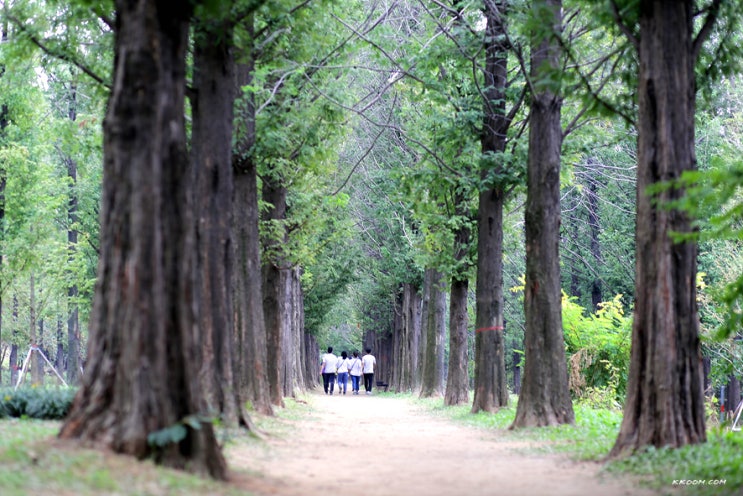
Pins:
x: 733, y: 396
x: 249, y: 324
x: 59, y: 356
x: 274, y: 284
x: 665, y: 401
x: 400, y: 361
x: 573, y: 232
x: 143, y: 356
x: 433, y: 372
x: 594, y: 223
x: 545, y: 395
x: 291, y: 335
x: 406, y: 346
x: 73, y: 317
x: 4, y: 122
x: 311, y: 352
x: 457, y: 378
x: 13, y: 357
x: 423, y: 342
x: 412, y: 321
x: 211, y: 154
x: 35, y: 359
x: 491, y: 391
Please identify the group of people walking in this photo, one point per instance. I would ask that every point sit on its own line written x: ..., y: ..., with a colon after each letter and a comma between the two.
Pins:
x: 334, y: 367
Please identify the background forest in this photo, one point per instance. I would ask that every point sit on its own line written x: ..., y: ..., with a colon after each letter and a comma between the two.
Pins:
x: 368, y: 141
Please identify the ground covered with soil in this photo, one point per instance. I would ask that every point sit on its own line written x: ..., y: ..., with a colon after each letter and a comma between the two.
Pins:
x: 382, y: 445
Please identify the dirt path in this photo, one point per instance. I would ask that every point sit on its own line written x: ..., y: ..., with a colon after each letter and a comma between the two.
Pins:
x: 379, y: 445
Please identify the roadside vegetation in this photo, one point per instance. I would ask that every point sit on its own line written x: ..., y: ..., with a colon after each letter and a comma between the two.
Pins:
x: 33, y: 461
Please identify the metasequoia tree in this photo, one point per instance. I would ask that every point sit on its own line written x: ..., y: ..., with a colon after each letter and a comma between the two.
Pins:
x: 4, y: 121
x: 296, y: 127
x: 545, y: 396
x: 73, y: 317
x: 491, y: 392
x: 432, y: 379
x: 141, y: 394
x: 457, y: 378
x: 249, y: 324
x: 665, y: 401
x: 212, y: 102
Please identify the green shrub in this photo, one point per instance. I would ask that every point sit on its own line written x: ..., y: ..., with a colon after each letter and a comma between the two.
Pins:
x: 36, y: 403
x: 598, y: 346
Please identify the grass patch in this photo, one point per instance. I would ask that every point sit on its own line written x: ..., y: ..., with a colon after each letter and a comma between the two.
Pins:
x: 593, y: 435
x: 33, y: 461
x: 701, y: 467
x: 590, y: 438
x: 282, y: 422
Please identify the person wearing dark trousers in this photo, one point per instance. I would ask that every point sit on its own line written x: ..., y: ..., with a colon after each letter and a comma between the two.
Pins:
x: 368, y: 363
x: 327, y: 369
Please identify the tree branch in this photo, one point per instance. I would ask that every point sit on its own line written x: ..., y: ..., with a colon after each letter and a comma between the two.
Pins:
x: 709, y: 23
x: 58, y: 54
x: 623, y: 26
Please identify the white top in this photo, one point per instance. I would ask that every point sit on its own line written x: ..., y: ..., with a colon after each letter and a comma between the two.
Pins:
x: 342, y: 365
x: 368, y: 362
x: 329, y: 361
x: 354, y: 365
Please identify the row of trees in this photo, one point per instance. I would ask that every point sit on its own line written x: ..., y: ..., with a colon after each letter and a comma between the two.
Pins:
x: 552, y: 52
x: 254, y: 152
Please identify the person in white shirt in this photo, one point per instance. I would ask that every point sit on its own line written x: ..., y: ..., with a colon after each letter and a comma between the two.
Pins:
x: 327, y: 369
x: 354, y: 368
x: 342, y: 372
x: 368, y: 363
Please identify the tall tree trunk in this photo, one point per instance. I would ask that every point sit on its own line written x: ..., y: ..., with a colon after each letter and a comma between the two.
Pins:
x: 405, y: 346
x: 212, y: 104
x: 291, y: 372
x: 457, y: 378
x: 4, y: 122
x: 545, y: 395
x: 423, y: 342
x: 143, y: 355
x: 73, y: 319
x: 311, y: 352
x: 491, y: 391
x: 59, y: 356
x: 733, y: 396
x: 40, y: 362
x: 13, y: 358
x: 274, y: 282
x: 433, y: 372
x: 665, y: 401
x: 399, y: 361
x: 412, y: 321
x: 249, y: 324
x: 572, y: 232
x: 35, y: 358
x: 594, y: 223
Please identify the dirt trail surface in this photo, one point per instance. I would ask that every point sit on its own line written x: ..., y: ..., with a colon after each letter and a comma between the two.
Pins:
x: 381, y: 446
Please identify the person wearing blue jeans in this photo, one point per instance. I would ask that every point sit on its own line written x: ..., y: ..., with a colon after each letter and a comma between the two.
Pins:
x: 354, y: 368
x: 342, y: 369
